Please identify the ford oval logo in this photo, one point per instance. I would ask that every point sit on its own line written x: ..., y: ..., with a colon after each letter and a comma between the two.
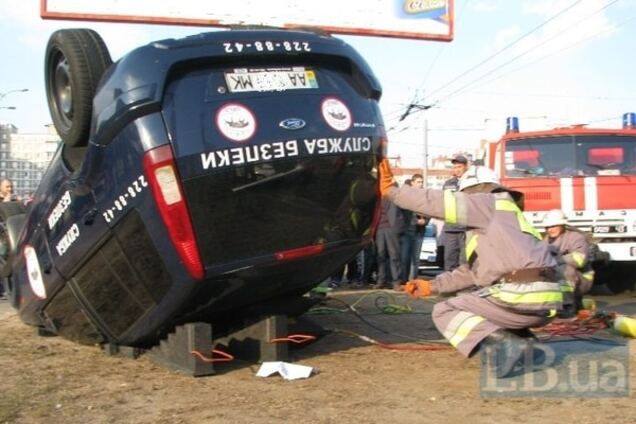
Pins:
x: 292, y: 124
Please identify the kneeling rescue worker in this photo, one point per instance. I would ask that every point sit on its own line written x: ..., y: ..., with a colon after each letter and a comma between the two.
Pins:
x: 512, y: 282
x: 572, y: 251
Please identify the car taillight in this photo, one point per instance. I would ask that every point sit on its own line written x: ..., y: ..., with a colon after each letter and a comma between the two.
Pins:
x: 162, y: 175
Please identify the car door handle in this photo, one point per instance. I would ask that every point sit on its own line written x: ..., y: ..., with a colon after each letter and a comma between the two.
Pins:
x: 89, y: 218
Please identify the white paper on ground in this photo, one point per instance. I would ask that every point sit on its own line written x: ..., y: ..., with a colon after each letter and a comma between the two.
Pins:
x: 286, y: 370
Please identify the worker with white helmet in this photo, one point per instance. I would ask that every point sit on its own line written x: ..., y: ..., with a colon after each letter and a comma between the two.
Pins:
x: 515, y: 281
x: 572, y: 249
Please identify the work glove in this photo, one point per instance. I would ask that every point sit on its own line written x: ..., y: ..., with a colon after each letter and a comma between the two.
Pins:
x: 386, y: 177
x: 418, y: 288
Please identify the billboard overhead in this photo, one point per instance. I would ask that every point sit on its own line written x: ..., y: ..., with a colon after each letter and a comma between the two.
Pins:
x: 417, y: 19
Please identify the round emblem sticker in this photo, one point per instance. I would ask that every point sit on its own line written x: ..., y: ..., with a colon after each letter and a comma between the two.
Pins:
x: 336, y: 114
x: 236, y: 122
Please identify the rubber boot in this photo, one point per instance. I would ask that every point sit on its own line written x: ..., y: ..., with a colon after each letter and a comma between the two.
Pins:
x: 568, y: 311
x: 525, y: 333
x: 509, y: 351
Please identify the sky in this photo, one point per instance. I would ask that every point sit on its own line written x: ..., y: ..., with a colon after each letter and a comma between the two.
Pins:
x: 548, y: 62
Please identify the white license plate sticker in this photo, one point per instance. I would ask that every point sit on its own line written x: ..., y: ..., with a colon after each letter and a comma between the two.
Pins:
x: 277, y: 79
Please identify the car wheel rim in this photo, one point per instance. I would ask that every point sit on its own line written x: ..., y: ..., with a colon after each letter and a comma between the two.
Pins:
x: 62, y: 90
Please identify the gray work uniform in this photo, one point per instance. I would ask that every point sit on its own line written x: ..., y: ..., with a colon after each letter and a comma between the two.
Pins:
x: 501, y: 247
x: 574, y: 254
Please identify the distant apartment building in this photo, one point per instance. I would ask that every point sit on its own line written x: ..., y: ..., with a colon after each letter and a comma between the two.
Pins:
x: 24, y: 157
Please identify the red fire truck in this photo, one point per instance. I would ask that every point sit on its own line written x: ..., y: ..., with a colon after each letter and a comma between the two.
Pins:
x: 589, y: 173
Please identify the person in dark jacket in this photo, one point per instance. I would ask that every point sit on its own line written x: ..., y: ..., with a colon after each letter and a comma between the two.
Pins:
x: 454, y: 234
x: 413, y: 236
x: 387, y: 244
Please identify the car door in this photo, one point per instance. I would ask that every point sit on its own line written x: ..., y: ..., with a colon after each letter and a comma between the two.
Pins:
x: 73, y: 231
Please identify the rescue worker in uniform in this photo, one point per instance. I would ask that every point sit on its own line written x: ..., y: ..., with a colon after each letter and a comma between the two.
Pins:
x: 572, y: 251
x: 514, y: 278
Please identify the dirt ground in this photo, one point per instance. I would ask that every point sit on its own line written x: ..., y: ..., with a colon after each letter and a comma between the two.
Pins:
x: 52, y: 380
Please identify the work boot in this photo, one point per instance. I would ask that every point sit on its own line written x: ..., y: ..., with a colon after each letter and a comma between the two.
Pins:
x: 524, y: 333
x: 398, y: 287
x: 509, y: 351
x: 568, y: 311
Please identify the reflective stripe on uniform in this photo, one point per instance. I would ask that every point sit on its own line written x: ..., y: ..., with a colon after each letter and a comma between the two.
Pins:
x: 539, y: 295
x: 529, y: 298
x: 589, y: 275
x: 471, y: 246
x: 500, y: 205
x: 578, y: 258
x: 567, y: 287
x: 450, y: 207
x: 460, y: 327
x: 510, y: 206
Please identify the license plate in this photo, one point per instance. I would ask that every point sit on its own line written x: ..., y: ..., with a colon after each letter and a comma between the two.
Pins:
x: 602, y: 229
x: 605, y: 229
x: 277, y: 79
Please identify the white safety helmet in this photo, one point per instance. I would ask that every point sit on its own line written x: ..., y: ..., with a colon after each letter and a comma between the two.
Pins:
x: 477, y: 174
x: 554, y: 217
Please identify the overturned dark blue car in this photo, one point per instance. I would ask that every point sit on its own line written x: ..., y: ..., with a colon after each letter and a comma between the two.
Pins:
x: 214, y: 179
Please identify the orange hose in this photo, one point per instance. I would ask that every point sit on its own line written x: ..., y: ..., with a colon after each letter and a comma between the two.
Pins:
x: 572, y: 328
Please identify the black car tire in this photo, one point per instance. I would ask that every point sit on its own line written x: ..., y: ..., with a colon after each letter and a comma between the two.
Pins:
x: 8, y: 209
x: 75, y: 60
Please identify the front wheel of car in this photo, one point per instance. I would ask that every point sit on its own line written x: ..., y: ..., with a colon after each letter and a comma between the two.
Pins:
x: 75, y: 61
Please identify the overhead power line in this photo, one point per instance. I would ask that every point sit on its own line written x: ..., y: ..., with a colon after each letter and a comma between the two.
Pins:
x: 526, y: 65
x: 411, y: 107
x: 506, y: 47
x: 525, y: 52
x: 442, y: 48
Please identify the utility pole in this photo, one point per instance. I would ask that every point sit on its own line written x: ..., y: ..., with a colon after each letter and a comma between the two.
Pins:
x: 425, y: 167
x: 407, y: 112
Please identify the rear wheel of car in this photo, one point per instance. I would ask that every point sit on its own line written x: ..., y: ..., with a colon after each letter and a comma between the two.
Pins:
x: 8, y: 209
x: 75, y: 61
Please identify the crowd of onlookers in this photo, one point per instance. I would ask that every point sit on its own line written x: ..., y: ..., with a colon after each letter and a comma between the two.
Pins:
x: 7, y: 195
x: 393, y: 256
